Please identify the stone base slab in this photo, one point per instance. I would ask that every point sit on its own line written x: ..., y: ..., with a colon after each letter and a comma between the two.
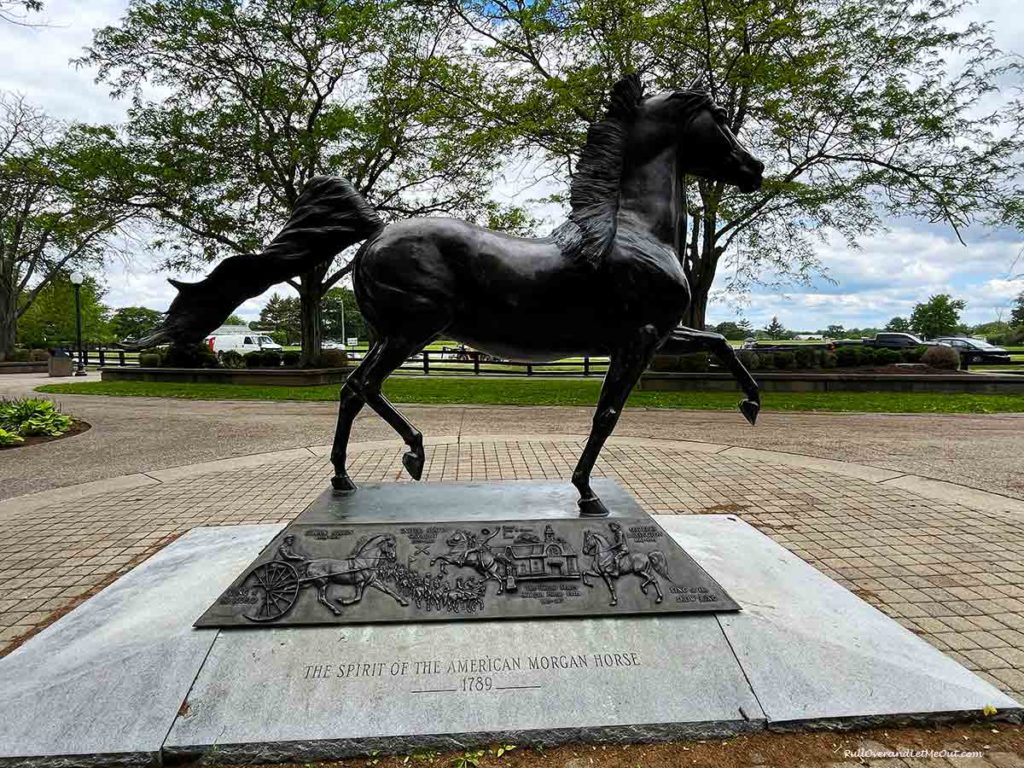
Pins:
x: 803, y: 652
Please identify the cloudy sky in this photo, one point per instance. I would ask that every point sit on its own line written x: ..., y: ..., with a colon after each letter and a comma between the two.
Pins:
x: 884, y: 277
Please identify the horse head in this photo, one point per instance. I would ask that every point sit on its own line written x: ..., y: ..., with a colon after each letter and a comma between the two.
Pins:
x: 590, y: 542
x: 457, y: 538
x: 691, y: 122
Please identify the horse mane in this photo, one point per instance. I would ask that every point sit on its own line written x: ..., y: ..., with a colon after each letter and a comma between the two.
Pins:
x: 363, y: 542
x: 588, y: 233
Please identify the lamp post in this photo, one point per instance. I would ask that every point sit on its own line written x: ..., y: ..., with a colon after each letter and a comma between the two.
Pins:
x: 77, y: 278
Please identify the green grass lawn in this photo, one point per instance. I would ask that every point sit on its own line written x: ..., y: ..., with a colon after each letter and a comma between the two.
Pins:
x: 481, y: 391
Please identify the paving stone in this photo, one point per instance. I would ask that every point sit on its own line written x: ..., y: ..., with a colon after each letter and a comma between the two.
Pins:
x: 813, y: 651
x: 108, y: 678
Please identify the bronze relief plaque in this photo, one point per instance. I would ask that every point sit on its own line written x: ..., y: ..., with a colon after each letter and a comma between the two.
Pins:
x: 348, y: 573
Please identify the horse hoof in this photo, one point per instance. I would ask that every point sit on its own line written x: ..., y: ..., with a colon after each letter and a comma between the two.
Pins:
x: 413, y: 463
x: 750, y: 409
x: 592, y: 507
x: 342, y: 484
x: 658, y: 600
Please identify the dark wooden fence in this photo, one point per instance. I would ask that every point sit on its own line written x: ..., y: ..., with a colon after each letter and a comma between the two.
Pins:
x: 451, y: 362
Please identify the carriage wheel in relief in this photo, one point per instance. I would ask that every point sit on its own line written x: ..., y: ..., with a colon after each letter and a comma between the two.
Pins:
x: 276, y: 588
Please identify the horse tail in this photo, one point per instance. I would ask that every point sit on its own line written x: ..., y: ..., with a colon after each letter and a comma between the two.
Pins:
x: 660, y: 564
x: 329, y: 216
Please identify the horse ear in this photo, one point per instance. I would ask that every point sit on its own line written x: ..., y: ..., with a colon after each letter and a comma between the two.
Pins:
x: 697, y: 84
x: 625, y: 95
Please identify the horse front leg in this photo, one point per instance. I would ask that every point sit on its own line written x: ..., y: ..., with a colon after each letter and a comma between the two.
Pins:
x: 611, y: 588
x: 685, y: 340
x: 381, y: 586
x: 360, y: 589
x: 349, y: 405
x: 624, y: 370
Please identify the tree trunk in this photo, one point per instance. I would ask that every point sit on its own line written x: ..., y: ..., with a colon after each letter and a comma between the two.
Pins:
x: 8, y: 322
x: 310, y: 293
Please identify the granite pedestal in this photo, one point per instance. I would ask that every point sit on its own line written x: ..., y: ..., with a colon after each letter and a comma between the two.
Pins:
x: 126, y: 679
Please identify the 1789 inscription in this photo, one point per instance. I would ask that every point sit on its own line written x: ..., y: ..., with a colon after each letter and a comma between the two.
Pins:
x: 469, y: 675
x: 345, y: 573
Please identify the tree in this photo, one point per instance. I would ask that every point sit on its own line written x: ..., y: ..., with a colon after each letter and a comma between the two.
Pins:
x: 775, y: 329
x: 939, y: 316
x: 339, y: 302
x: 835, y: 331
x: 898, y: 325
x: 283, y: 315
x: 134, y: 322
x: 1017, y: 313
x: 50, y: 319
x: 854, y: 105
x: 733, y: 330
x: 53, y: 213
x: 17, y: 11
x: 257, y: 98
x: 234, y: 320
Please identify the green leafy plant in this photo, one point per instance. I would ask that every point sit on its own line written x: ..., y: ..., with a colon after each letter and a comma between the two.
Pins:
x: 291, y: 358
x: 10, y: 438
x: 232, y: 359
x: 189, y: 356
x: 468, y: 759
x: 149, y: 359
x: 499, y: 750
x: 784, y: 360
x: 32, y: 416
x: 887, y: 356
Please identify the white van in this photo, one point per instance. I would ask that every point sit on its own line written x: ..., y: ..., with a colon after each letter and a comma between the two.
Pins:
x: 243, y: 343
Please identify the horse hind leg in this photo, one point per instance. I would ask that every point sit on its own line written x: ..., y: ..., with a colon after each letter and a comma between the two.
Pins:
x: 394, y: 350
x: 350, y: 403
x: 684, y: 340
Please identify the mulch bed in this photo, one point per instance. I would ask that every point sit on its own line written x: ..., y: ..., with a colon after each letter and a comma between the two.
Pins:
x: 822, y: 748
x: 77, y: 427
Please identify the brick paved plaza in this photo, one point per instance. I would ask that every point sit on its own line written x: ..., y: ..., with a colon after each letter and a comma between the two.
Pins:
x: 948, y: 570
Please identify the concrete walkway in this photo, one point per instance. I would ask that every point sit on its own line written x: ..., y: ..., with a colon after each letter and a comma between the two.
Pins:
x: 131, y: 435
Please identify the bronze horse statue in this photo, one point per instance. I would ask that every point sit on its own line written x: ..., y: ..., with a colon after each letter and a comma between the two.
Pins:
x: 609, y: 565
x: 606, y: 282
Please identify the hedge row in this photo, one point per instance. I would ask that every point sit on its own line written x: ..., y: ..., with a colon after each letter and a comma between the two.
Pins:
x: 201, y: 356
x: 800, y: 358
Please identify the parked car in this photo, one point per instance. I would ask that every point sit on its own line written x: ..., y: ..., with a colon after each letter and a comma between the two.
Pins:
x: 329, y: 344
x: 897, y: 341
x: 973, y: 351
x: 242, y: 343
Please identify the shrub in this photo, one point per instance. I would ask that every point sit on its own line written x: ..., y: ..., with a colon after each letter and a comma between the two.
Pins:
x: 338, y: 358
x: 828, y: 359
x: 846, y: 357
x: 264, y: 358
x: 866, y: 356
x: 19, y: 356
x: 39, y: 355
x: 189, y: 356
x: 291, y: 358
x: 805, y: 358
x: 750, y: 359
x: 10, y: 438
x: 149, y: 359
x: 912, y: 355
x: 696, y: 363
x: 887, y: 356
x: 767, y: 360
x: 32, y: 416
x: 941, y: 357
x: 232, y: 359
x: 784, y: 360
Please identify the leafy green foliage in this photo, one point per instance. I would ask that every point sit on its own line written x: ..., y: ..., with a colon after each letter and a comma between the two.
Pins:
x: 49, y: 321
x: 189, y: 356
x: 232, y: 359
x: 898, y: 325
x: 256, y: 98
x: 281, y: 315
x: 54, y: 212
x: 10, y: 438
x: 339, y: 302
x: 939, y: 316
x: 133, y: 322
x: 1017, y: 313
x: 264, y: 358
x: 860, y: 109
x: 32, y: 416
